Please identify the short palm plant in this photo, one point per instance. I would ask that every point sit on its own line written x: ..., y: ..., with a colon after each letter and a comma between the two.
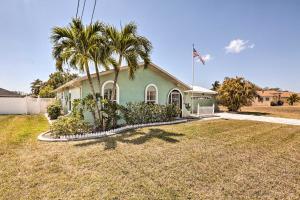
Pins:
x: 294, y: 98
x: 75, y: 45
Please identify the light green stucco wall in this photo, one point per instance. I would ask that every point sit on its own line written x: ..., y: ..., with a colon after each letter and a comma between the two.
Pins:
x: 134, y: 90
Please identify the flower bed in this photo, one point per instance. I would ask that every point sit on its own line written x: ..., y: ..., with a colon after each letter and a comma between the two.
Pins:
x: 47, y: 137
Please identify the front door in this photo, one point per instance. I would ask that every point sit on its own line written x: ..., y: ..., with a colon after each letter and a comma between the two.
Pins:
x: 175, y: 98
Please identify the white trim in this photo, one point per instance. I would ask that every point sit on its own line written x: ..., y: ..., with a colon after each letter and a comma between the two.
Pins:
x: 80, y: 79
x: 117, y: 88
x: 156, y: 92
x: 88, y: 136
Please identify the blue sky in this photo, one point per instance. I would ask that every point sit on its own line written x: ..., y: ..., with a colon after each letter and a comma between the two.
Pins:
x: 264, y: 36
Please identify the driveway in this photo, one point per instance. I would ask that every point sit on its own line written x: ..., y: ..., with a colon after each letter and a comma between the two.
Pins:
x: 277, y: 120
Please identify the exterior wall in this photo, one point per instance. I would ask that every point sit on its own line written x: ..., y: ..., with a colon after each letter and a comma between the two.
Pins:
x: 26, y: 105
x: 265, y: 101
x: 134, y: 90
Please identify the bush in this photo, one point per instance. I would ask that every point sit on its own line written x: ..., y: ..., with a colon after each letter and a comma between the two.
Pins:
x: 280, y: 103
x: 69, y: 126
x: 47, y: 92
x: 277, y: 103
x: 110, y: 114
x: 54, y: 110
x: 139, y: 113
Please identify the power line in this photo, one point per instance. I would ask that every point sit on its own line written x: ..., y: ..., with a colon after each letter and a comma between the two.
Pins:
x: 78, y: 2
x: 83, y: 9
x: 95, y: 2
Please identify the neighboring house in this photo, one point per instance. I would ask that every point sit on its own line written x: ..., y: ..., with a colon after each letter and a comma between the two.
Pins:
x: 152, y: 84
x: 267, y: 96
x: 7, y: 93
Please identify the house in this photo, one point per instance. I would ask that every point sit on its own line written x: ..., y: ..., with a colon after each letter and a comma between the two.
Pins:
x: 7, y: 93
x: 267, y: 96
x: 152, y: 84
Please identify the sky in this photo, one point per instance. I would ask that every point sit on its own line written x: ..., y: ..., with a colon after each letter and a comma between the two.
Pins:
x: 259, y: 40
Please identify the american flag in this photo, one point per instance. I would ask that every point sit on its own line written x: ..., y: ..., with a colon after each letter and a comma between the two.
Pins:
x: 196, y: 54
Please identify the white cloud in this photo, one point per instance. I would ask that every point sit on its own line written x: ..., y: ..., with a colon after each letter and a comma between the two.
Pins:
x: 238, y: 45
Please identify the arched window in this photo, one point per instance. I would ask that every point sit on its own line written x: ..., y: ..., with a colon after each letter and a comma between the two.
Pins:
x: 107, y: 89
x: 151, y: 94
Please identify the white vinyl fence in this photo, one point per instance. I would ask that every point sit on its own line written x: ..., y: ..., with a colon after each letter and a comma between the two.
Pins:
x: 26, y: 105
x: 205, y: 110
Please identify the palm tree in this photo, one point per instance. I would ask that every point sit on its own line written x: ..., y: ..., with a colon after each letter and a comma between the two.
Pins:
x: 215, y: 85
x: 36, y: 86
x: 293, y: 99
x: 75, y: 45
x: 101, y: 56
x: 126, y: 45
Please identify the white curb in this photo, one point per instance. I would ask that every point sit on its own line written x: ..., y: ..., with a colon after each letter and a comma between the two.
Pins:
x: 88, y: 136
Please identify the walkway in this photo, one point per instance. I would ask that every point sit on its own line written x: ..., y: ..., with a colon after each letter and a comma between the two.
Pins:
x: 277, y: 120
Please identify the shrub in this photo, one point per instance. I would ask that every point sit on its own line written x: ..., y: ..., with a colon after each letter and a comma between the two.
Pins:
x: 138, y: 113
x: 280, y: 103
x: 69, y: 125
x: 110, y: 114
x: 54, y: 110
x: 277, y: 103
x: 47, y: 92
x: 235, y: 93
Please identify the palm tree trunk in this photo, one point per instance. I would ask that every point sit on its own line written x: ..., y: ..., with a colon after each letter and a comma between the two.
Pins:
x: 99, y: 85
x: 92, y: 88
x: 114, y: 95
x: 117, y: 69
x: 98, y: 76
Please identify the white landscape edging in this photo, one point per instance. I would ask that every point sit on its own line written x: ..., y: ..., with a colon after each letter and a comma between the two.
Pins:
x: 88, y: 136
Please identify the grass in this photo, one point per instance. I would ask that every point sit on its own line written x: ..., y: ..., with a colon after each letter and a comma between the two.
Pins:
x: 276, y: 111
x: 221, y: 159
x: 15, y: 129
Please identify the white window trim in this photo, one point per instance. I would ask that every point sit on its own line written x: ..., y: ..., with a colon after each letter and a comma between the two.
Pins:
x: 117, y: 88
x: 156, y: 92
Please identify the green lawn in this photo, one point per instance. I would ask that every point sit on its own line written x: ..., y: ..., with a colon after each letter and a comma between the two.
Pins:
x: 221, y: 159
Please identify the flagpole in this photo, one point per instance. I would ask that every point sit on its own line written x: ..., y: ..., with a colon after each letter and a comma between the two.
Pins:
x: 193, y: 61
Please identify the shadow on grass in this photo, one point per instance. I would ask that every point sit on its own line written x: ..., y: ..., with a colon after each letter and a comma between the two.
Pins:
x: 134, y: 137
x: 253, y: 113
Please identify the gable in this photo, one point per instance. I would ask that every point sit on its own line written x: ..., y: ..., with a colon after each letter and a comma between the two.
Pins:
x: 159, y: 71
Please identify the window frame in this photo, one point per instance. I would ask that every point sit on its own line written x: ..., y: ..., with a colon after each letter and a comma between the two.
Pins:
x: 156, y: 94
x: 117, y: 90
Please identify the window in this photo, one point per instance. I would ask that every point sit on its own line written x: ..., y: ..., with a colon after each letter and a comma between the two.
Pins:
x: 267, y: 99
x: 151, y: 94
x: 107, y: 89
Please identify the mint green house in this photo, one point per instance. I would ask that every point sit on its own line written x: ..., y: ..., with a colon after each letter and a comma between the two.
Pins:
x: 152, y: 84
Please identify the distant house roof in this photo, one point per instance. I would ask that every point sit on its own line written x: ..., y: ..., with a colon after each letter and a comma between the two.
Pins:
x: 274, y: 93
x: 199, y: 89
x: 7, y: 93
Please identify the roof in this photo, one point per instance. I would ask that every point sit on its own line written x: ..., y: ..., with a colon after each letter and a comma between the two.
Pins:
x: 199, y: 89
x: 76, y: 81
x: 275, y: 93
x: 7, y: 93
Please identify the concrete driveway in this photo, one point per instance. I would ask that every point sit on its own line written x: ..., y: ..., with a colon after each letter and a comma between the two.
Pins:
x: 277, y: 120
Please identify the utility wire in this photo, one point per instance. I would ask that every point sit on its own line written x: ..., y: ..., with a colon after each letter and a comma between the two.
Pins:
x: 78, y: 2
x: 95, y: 2
x: 83, y: 9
